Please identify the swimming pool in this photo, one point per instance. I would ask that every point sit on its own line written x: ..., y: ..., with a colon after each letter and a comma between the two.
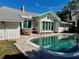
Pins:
x: 60, y: 44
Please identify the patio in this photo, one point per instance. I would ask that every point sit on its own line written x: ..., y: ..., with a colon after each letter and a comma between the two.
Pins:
x: 31, y: 51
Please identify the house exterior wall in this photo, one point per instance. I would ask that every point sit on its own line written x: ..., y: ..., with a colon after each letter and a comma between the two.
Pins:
x: 9, y: 30
x: 58, y: 28
x: 46, y: 19
x: 55, y: 27
x: 39, y: 25
x: 63, y: 27
x: 2, y: 32
x: 36, y: 25
x: 25, y: 28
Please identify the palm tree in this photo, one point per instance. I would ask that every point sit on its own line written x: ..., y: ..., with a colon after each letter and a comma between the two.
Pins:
x: 66, y: 14
x: 72, y: 9
x: 63, y: 14
x: 74, y: 6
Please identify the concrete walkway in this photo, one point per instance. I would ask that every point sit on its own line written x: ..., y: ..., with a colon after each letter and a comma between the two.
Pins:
x: 32, y: 51
x: 22, y: 44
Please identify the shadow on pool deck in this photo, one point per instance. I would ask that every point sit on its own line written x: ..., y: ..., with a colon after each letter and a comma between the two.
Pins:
x: 36, y: 55
x: 15, y: 56
x: 42, y: 55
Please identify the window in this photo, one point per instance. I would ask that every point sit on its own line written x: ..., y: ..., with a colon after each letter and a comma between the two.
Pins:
x: 52, y: 26
x: 47, y: 25
x: 20, y: 25
x: 43, y: 25
x: 27, y: 24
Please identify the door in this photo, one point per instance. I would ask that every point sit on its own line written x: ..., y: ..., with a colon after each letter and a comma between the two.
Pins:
x: 47, y: 26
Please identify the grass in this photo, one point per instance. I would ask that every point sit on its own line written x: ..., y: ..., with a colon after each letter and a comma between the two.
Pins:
x: 8, y: 48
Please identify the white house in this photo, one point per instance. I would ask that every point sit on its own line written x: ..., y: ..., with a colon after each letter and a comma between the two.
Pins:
x: 9, y: 23
x: 26, y: 25
x: 42, y: 23
x: 13, y: 21
x: 48, y: 22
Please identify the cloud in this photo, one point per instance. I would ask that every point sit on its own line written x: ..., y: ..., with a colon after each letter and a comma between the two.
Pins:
x: 50, y: 8
x: 53, y: 8
x: 37, y: 4
x: 56, y: 7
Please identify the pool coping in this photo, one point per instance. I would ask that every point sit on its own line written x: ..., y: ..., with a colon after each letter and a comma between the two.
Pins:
x: 50, y: 52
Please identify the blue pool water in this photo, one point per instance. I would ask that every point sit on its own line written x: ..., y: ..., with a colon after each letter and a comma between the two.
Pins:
x: 58, y: 43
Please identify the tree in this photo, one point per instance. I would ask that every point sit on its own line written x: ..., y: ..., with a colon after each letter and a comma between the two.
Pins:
x: 68, y: 10
x: 63, y: 14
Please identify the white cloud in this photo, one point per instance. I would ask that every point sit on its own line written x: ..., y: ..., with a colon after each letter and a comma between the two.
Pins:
x: 37, y: 4
x: 50, y: 8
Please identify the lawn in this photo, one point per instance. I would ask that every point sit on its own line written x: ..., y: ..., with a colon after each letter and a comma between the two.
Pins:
x: 8, y: 48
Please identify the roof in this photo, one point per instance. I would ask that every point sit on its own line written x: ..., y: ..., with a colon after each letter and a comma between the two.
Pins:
x: 28, y: 14
x: 12, y: 15
x: 65, y: 22
x: 9, y: 14
x: 50, y: 14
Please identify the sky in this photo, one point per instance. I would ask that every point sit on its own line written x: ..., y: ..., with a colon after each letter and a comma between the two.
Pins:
x: 36, y: 6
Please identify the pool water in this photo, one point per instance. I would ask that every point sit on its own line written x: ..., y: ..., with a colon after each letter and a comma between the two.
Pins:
x: 59, y: 43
